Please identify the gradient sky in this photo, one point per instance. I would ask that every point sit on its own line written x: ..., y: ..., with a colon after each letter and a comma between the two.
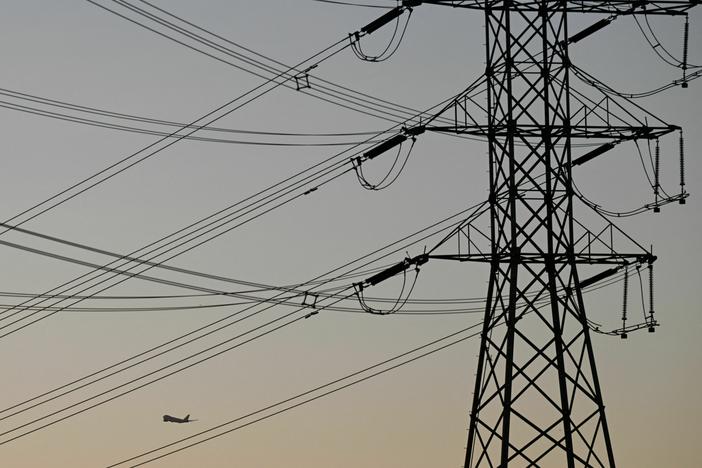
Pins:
x: 415, y: 416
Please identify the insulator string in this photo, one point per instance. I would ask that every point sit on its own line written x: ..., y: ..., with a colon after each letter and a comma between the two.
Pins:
x: 650, y: 293
x: 686, y: 36
x: 682, y: 167
x: 656, y: 176
x: 624, y: 301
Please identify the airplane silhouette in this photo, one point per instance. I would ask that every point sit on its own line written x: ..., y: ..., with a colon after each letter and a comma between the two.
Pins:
x: 173, y: 419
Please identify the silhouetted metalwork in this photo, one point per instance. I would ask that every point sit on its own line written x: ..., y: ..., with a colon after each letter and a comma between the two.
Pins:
x: 538, y: 399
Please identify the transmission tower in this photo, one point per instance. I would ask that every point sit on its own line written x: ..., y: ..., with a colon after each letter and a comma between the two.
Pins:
x: 537, y: 399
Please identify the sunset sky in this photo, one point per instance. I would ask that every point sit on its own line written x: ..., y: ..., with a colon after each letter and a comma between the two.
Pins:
x: 59, y: 55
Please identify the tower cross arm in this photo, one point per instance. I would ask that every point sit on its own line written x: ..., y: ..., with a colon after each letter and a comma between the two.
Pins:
x: 612, y: 7
x: 614, y: 132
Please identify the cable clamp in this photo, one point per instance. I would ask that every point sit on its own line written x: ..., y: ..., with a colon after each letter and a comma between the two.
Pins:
x: 356, y: 162
x: 354, y: 37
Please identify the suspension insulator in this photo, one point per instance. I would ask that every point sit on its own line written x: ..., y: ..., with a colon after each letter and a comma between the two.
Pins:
x: 592, y: 154
x: 598, y: 277
x: 686, y: 36
x: 651, y: 329
x: 382, y: 21
x: 682, y: 169
x: 656, y: 176
x: 589, y: 30
x: 624, y: 302
x: 384, y: 146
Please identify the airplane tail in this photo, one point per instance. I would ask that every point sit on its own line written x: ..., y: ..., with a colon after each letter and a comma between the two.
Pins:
x: 187, y: 418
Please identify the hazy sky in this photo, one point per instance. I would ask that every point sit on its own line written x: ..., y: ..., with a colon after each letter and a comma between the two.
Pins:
x: 415, y: 416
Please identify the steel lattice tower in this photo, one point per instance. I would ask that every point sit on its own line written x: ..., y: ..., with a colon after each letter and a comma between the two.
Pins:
x: 537, y: 399
x: 537, y: 396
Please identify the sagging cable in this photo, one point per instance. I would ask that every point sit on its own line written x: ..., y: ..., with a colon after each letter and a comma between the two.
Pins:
x: 392, y: 15
x: 389, y: 272
x: 397, y: 140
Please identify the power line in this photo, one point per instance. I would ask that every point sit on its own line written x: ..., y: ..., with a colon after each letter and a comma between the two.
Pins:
x: 169, y: 123
x: 245, y: 296
x: 366, y: 5
x: 160, y: 133
x: 283, y: 301
x: 308, y: 392
x: 148, y: 267
x: 259, y: 286
x: 150, y: 382
x: 221, y: 222
x: 671, y: 60
x: 291, y: 187
x: 141, y: 261
x: 207, y: 120
x: 542, y: 302
x: 608, y: 90
x: 318, y: 85
x: 132, y: 297
x: 303, y: 394
x: 223, y: 320
x: 105, y: 288
x: 321, y: 89
x: 101, y: 394
x: 41, y: 318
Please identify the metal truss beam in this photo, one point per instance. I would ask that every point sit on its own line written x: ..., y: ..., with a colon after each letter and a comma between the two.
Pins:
x: 610, y: 7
